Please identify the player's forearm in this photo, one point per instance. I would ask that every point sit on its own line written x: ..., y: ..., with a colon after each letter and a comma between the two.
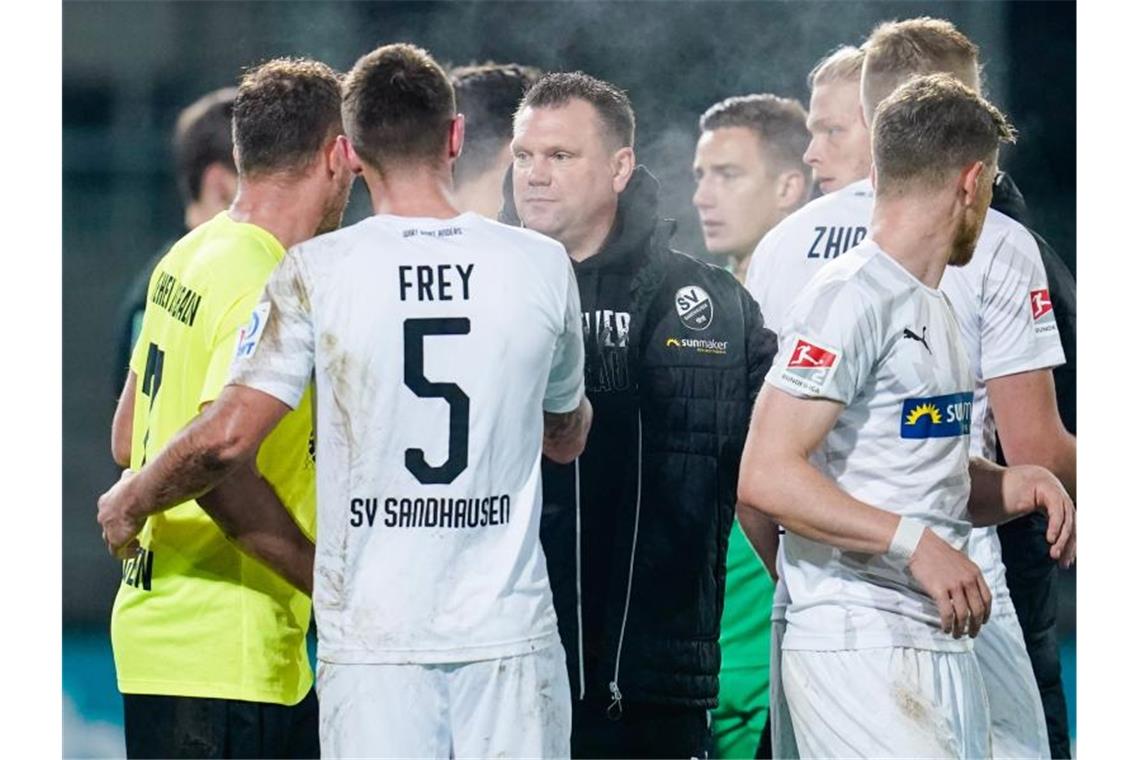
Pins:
x: 247, y: 509
x: 564, y: 435
x: 1056, y: 452
x: 762, y: 534
x: 200, y: 457
x: 790, y: 492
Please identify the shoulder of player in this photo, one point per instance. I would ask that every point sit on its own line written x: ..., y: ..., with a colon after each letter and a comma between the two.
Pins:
x: 1006, y: 238
x: 523, y: 237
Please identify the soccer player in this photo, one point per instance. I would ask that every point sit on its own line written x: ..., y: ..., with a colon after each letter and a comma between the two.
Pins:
x: 1012, y: 348
x: 749, y: 172
x: 635, y: 530
x: 839, y: 154
x: 859, y: 446
x: 840, y: 146
x: 447, y: 350
x: 210, y: 643
x: 207, y: 181
x: 750, y: 175
x: 487, y: 96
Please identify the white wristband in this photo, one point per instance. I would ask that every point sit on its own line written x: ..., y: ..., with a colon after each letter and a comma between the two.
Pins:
x: 906, y: 539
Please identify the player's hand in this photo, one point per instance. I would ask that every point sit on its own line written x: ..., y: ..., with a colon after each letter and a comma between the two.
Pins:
x: 1032, y: 488
x: 120, y: 527
x: 954, y: 583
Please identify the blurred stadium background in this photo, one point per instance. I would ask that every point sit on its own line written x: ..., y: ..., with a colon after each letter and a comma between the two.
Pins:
x: 128, y: 68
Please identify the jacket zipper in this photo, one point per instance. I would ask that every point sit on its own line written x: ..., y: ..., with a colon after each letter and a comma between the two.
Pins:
x: 578, y: 579
x: 614, y: 710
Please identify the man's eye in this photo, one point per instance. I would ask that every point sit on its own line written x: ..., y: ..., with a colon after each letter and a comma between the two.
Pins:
x: 561, y: 156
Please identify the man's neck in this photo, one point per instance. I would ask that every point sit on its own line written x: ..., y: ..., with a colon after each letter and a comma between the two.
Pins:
x: 591, y: 241
x: 284, y: 209
x: 483, y: 195
x: 414, y: 191
x: 917, y: 232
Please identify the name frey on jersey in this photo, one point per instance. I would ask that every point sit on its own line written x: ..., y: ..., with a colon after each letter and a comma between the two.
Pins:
x: 830, y: 242
x: 431, y: 512
x: 435, y: 282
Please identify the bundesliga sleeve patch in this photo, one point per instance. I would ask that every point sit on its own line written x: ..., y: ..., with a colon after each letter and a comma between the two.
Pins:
x: 251, y: 334
x: 937, y: 416
x: 809, y: 366
x: 1041, y: 307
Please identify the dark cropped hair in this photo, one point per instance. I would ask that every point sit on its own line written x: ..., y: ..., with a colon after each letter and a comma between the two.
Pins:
x: 487, y: 96
x: 398, y: 106
x: 611, y: 103
x: 284, y: 111
x: 203, y: 136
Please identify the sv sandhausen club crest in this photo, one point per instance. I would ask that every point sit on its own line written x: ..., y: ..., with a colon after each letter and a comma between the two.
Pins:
x: 694, y: 307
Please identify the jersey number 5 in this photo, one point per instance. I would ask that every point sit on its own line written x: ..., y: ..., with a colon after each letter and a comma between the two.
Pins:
x: 415, y: 330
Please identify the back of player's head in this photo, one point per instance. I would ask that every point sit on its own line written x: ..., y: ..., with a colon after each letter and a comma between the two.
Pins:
x: 931, y: 128
x: 844, y: 64
x: 487, y: 96
x: 611, y: 104
x: 779, y: 123
x: 285, y: 110
x: 398, y: 107
x: 898, y: 50
x: 203, y: 136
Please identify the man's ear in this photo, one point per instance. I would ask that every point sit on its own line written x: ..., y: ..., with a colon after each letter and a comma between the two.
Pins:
x: 790, y: 188
x: 347, y: 153
x: 219, y: 184
x: 970, y: 182
x: 455, y: 134
x: 623, y: 164
x: 874, y: 177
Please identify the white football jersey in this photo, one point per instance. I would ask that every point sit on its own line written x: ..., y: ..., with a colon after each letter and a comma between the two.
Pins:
x: 796, y: 248
x: 868, y: 334
x: 436, y: 346
x: 1001, y: 300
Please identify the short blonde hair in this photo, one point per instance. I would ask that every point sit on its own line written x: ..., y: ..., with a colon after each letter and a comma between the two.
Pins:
x: 930, y: 127
x: 844, y: 64
x: 898, y: 50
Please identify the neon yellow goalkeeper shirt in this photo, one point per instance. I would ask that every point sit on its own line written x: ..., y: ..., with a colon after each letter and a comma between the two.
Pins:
x: 194, y: 616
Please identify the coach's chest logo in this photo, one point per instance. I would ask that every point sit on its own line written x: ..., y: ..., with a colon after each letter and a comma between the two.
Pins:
x: 694, y: 307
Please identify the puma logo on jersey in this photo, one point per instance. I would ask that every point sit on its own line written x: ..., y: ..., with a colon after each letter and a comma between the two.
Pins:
x: 831, y: 241
x: 908, y: 333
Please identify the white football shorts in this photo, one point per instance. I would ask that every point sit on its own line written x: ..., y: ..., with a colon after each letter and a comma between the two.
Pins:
x: 887, y: 702
x: 510, y: 707
x: 1017, y: 718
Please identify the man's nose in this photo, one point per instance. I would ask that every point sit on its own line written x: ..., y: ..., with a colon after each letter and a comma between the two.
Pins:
x: 811, y: 155
x: 539, y: 172
x: 702, y: 197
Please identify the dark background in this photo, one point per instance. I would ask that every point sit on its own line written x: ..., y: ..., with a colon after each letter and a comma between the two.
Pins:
x: 129, y: 67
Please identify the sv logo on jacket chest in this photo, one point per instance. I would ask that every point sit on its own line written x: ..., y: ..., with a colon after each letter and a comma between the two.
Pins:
x: 694, y: 307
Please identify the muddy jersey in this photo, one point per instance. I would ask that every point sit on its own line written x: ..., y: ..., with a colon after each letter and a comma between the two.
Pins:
x: 1001, y: 300
x: 437, y: 344
x: 869, y: 335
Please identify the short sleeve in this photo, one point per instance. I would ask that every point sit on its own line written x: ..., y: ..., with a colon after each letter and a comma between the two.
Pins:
x: 235, y: 320
x: 565, y: 384
x: 1018, y: 327
x: 828, y: 345
x: 274, y: 351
